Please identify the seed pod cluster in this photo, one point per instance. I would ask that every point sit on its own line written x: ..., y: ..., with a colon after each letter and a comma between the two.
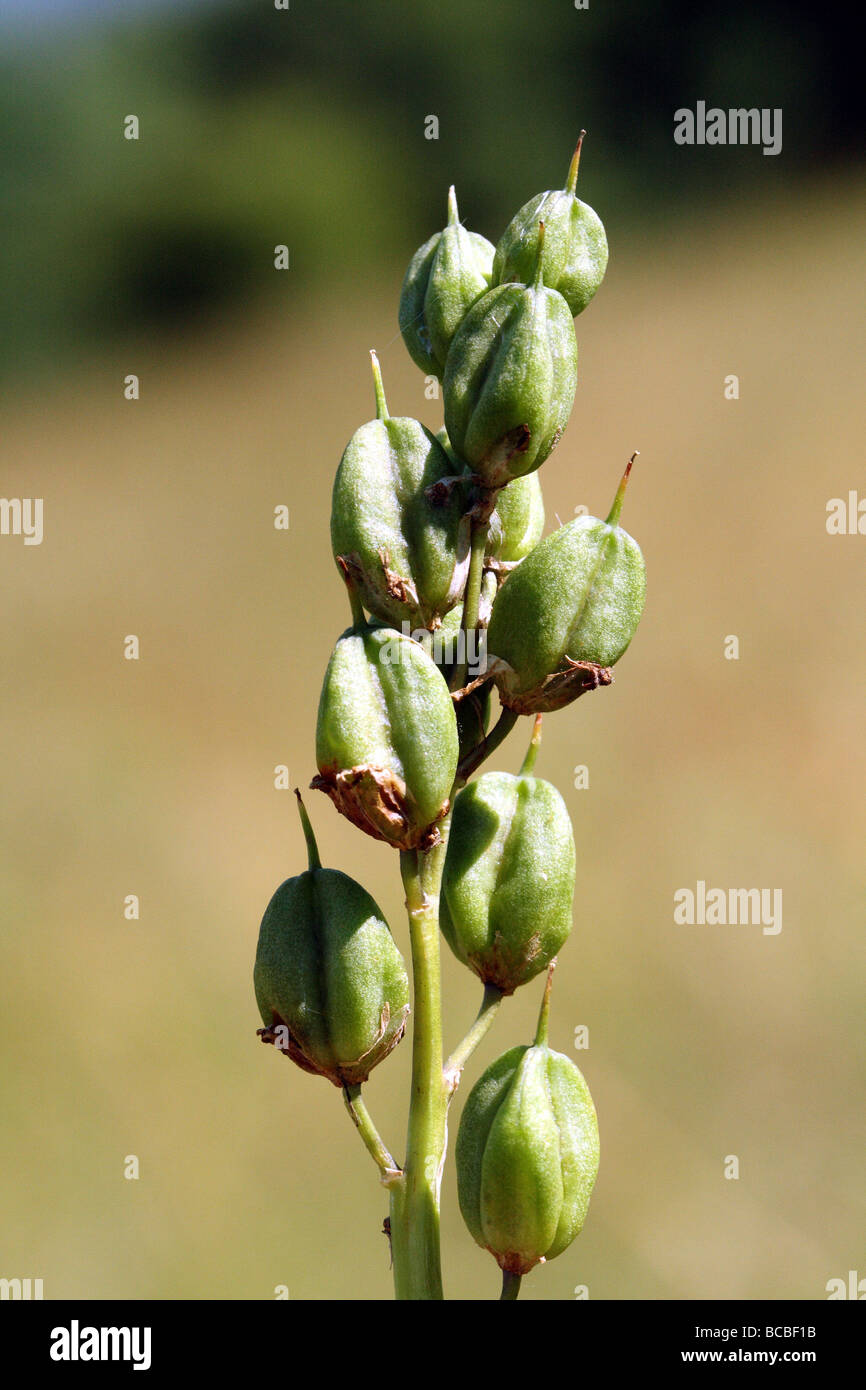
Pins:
x: 453, y: 593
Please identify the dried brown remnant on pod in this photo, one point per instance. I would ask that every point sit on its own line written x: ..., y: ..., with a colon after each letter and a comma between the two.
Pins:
x: 375, y: 800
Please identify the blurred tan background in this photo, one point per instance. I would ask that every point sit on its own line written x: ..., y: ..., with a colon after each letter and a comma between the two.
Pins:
x: 155, y: 777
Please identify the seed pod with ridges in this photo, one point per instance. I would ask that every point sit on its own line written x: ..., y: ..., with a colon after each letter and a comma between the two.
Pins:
x: 575, y: 252
x: 330, y: 983
x: 508, y: 883
x: 517, y: 520
x: 510, y: 380
x: 527, y: 1155
x: 404, y: 548
x: 445, y: 277
x: 567, y: 613
x: 386, y: 739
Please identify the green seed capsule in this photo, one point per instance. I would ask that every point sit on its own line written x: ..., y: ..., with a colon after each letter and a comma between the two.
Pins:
x: 510, y: 380
x: 517, y: 520
x: 386, y: 739
x: 508, y: 882
x: 574, y: 257
x: 568, y: 613
x: 445, y: 277
x: 330, y: 983
x: 404, y: 549
x: 527, y: 1155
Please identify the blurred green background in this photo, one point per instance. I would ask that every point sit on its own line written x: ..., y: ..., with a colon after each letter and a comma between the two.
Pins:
x: 155, y: 257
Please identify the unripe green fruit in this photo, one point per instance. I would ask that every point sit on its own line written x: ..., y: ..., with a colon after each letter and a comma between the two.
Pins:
x: 330, y: 983
x: 508, y: 882
x: 406, y: 551
x: 510, y: 380
x: 575, y: 252
x: 386, y: 738
x: 445, y: 277
x: 517, y: 521
x: 527, y: 1156
x: 567, y: 613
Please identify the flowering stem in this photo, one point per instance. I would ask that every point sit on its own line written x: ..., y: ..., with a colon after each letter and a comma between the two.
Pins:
x: 415, y: 1200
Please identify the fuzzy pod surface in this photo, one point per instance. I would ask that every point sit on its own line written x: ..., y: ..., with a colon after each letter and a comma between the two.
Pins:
x: 400, y: 539
x: 510, y: 380
x: 567, y: 613
x: 575, y: 253
x: 527, y: 1157
x: 386, y: 737
x: 330, y: 983
x: 508, y: 882
x: 445, y: 277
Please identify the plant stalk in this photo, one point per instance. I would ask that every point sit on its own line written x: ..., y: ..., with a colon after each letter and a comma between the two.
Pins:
x: 415, y: 1200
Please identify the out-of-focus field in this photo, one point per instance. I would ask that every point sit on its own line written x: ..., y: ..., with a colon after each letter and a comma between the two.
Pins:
x: 155, y: 777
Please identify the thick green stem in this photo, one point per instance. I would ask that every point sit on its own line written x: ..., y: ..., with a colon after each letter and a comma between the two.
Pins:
x: 357, y: 1108
x: 415, y: 1200
x: 460, y: 1056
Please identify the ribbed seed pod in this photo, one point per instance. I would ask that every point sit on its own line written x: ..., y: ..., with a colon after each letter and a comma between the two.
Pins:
x: 567, y: 613
x: 330, y: 983
x: 516, y: 522
x: 510, y: 380
x: 400, y: 539
x: 508, y: 882
x: 527, y: 1155
x: 445, y: 277
x: 386, y: 738
x: 575, y: 252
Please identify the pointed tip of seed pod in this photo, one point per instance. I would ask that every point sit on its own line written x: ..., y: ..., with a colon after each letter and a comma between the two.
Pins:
x: 539, y: 280
x: 314, y: 862
x: 381, y: 403
x: 453, y: 214
x: 544, y: 1012
x: 571, y: 181
x: 613, y: 517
